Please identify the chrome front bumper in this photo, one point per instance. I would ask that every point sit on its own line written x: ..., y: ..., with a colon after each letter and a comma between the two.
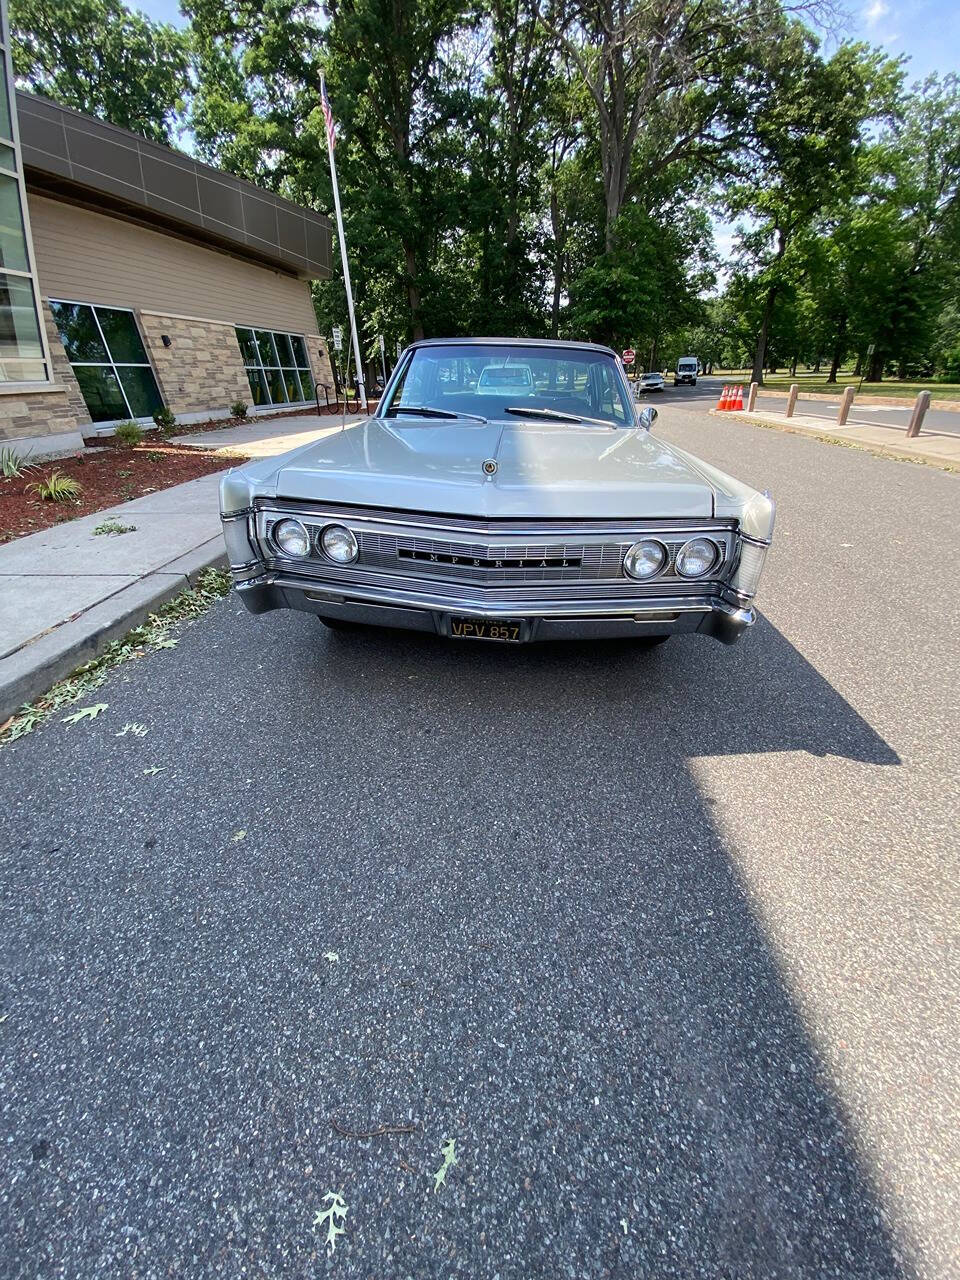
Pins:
x: 724, y: 615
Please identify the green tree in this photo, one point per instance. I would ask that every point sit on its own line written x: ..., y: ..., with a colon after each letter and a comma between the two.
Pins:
x: 807, y: 120
x: 100, y: 57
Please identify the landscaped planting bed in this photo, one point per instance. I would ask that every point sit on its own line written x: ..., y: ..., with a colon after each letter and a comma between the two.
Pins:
x: 110, y: 475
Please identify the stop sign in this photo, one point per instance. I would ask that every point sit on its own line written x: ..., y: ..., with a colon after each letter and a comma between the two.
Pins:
x: 629, y: 356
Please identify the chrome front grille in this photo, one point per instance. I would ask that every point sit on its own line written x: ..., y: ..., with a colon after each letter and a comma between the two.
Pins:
x: 502, y: 555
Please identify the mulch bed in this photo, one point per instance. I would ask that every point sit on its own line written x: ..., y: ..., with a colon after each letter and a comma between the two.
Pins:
x: 110, y: 477
x: 112, y: 473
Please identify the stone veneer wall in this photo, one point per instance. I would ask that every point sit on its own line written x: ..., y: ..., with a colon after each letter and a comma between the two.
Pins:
x: 200, y: 372
x: 320, y: 362
x: 202, y: 369
x: 47, y: 411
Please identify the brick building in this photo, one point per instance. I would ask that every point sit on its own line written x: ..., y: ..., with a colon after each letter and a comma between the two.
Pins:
x: 157, y: 280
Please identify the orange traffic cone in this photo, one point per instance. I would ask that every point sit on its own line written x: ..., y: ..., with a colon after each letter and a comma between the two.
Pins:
x: 722, y: 402
x: 739, y: 400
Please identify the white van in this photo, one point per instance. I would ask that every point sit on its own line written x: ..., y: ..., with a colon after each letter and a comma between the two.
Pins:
x: 687, y: 369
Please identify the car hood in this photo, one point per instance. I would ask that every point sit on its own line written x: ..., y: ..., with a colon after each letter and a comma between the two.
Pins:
x: 542, y: 469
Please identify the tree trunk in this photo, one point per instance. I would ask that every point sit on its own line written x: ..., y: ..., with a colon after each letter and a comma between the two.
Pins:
x: 760, y: 355
x: 772, y: 291
x: 875, y: 368
x: 413, y: 292
x: 817, y: 362
x: 793, y: 366
x: 858, y: 367
x: 839, y: 347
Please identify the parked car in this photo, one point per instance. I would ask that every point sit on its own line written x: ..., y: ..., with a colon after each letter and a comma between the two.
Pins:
x: 467, y: 514
x: 651, y: 382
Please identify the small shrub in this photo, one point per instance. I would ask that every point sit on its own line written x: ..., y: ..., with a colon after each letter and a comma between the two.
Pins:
x: 128, y: 433
x: 165, y: 419
x: 153, y: 455
x: 13, y: 464
x: 239, y: 410
x: 56, y: 487
x: 113, y: 527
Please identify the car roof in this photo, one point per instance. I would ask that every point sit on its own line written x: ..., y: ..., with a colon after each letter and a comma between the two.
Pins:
x: 514, y: 342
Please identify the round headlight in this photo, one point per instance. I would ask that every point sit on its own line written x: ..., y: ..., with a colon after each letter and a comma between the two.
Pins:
x: 339, y: 544
x: 291, y: 537
x: 697, y: 557
x: 644, y: 559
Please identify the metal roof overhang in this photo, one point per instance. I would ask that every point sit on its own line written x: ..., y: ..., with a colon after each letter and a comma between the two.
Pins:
x: 78, y: 158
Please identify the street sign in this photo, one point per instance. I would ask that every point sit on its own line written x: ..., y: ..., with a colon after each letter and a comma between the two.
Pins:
x: 337, y: 337
x: 380, y: 340
x: 399, y: 348
x: 871, y: 349
x: 629, y: 356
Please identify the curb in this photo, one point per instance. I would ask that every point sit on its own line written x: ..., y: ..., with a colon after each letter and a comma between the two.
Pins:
x: 33, y: 669
x: 850, y: 442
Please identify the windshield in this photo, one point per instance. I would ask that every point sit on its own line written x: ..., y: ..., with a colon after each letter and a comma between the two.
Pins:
x: 492, y: 382
x: 688, y: 365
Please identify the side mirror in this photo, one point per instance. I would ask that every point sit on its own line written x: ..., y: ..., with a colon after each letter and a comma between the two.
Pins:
x: 648, y: 417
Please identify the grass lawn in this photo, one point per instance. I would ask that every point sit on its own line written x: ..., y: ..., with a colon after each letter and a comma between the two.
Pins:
x: 817, y: 382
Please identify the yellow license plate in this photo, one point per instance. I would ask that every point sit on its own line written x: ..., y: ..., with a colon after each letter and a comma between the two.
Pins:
x: 504, y: 629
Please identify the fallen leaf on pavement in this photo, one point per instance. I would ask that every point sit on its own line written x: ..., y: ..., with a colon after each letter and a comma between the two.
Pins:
x: 86, y: 713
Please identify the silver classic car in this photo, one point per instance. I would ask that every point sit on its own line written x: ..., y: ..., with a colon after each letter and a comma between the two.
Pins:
x: 505, y: 489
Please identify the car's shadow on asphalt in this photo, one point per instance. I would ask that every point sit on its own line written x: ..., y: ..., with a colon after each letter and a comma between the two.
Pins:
x: 697, y: 696
x: 642, y: 1048
x: 541, y: 946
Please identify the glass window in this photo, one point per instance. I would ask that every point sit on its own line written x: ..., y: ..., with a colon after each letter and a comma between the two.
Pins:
x: 258, y: 386
x: 275, y: 384
x: 292, y: 383
x: 120, y: 331
x: 299, y: 351
x: 13, y: 242
x: 101, y: 392
x: 284, y: 349
x: 6, y: 128
x: 21, y: 351
x: 140, y: 387
x: 8, y: 159
x: 78, y: 332
x: 502, y: 383
x: 268, y: 352
x: 248, y: 346
x: 277, y: 366
x: 109, y: 360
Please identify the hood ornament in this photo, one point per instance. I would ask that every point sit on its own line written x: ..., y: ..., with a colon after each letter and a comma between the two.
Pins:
x: 490, y: 467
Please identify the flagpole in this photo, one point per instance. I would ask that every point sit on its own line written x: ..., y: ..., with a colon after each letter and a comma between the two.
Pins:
x: 343, y: 259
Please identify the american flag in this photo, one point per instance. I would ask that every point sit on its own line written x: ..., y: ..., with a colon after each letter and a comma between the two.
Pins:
x: 328, y: 114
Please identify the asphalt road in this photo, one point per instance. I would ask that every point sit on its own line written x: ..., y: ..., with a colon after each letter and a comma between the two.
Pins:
x: 664, y: 940
x: 707, y: 392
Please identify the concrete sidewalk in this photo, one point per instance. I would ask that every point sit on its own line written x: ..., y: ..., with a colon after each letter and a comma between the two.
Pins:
x: 263, y: 439
x: 935, y: 450
x: 67, y: 592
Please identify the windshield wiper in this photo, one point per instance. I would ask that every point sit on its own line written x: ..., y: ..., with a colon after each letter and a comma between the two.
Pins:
x: 555, y: 415
x: 426, y: 411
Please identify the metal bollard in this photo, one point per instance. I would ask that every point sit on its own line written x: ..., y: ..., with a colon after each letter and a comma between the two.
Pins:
x: 920, y: 408
x: 792, y: 401
x: 846, y: 404
x: 752, y: 397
